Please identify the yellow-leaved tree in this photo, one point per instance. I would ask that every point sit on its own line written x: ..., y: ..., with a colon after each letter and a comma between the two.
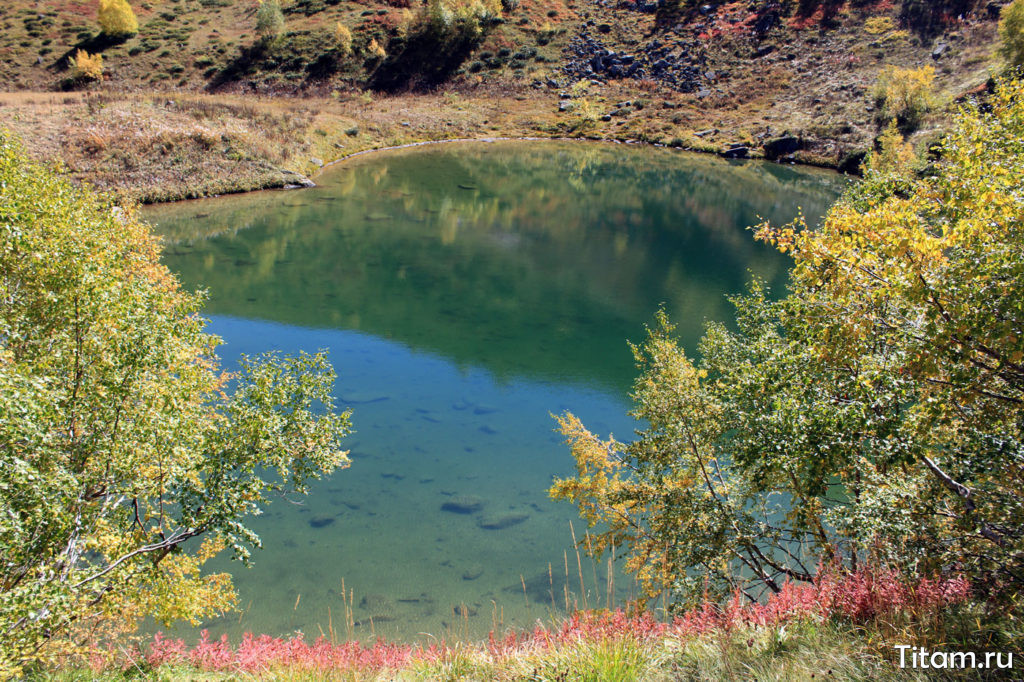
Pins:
x: 343, y: 38
x: 87, y: 66
x: 117, y: 18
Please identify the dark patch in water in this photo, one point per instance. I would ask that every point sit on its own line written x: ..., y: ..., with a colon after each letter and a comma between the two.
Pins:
x: 502, y: 522
x: 488, y: 430
x: 321, y: 521
x: 463, y: 505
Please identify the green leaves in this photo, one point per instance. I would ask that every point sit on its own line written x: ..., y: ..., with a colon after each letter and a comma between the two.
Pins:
x: 876, y: 412
x: 120, y: 437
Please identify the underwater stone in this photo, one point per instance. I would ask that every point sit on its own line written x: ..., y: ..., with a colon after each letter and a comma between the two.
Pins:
x: 463, y: 504
x: 503, y: 521
x: 321, y: 521
x: 473, y: 572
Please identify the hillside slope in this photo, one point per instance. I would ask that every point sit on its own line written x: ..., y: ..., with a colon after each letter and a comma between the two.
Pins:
x: 697, y: 75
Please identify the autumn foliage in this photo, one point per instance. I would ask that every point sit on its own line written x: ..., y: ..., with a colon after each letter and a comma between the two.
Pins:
x: 117, y: 18
x: 876, y: 412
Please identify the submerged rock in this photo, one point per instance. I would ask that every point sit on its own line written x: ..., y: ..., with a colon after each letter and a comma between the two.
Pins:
x: 502, y: 521
x: 378, y: 607
x: 321, y: 521
x: 463, y: 504
x: 473, y: 572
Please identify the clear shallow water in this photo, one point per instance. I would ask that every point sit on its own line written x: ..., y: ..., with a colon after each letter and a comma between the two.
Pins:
x: 466, y: 292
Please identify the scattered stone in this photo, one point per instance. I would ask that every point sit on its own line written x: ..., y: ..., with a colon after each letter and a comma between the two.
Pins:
x: 473, y: 572
x: 464, y: 611
x: 376, y: 603
x: 940, y: 50
x: 321, y: 521
x: 705, y: 133
x: 565, y: 105
x: 501, y: 522
x: 316, y: 162
x: 735, y: 151
x: 674, y: 65
x: 463, y: 504
x: 467, y: 186
x: 781, y: 146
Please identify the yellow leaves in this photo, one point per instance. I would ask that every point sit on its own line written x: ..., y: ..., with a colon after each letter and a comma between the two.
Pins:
x: 117, y: 18
x: 87, y: 66
x: 376, y: 50
x: 904, y: 94
x: 209, y: 548
x: 894, y: 156
x: 343, y: 38
x: 597, y: 474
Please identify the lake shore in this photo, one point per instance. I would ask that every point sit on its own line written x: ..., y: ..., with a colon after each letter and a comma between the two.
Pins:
x: 172, y: 146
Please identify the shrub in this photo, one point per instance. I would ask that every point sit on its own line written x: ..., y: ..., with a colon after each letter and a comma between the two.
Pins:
x: 904, y: 94
x: 128, y: 458
x: 343, y: 38
x: 269, y: 20
x: 879, y: 25
x: 894, y: 155
x: 117, y: 18
x: 875, y: 411
x: 1011, y: 32
x: 375, y: 50
x: 87, y: 67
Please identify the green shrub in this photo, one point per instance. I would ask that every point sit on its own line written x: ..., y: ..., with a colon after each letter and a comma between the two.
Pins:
x: 1011, y: 32
x: 269, y: 20
x: 126, y: 462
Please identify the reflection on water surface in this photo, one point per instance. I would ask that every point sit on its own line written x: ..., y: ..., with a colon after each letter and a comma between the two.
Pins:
x: 466, y: 292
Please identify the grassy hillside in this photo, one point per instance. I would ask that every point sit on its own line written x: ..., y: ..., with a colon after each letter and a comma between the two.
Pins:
x: 683, y: 73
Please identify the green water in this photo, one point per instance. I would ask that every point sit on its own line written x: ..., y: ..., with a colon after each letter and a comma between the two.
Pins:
x: 466, y: 292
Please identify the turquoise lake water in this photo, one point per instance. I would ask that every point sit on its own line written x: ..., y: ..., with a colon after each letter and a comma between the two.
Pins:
x: 466, y: 292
